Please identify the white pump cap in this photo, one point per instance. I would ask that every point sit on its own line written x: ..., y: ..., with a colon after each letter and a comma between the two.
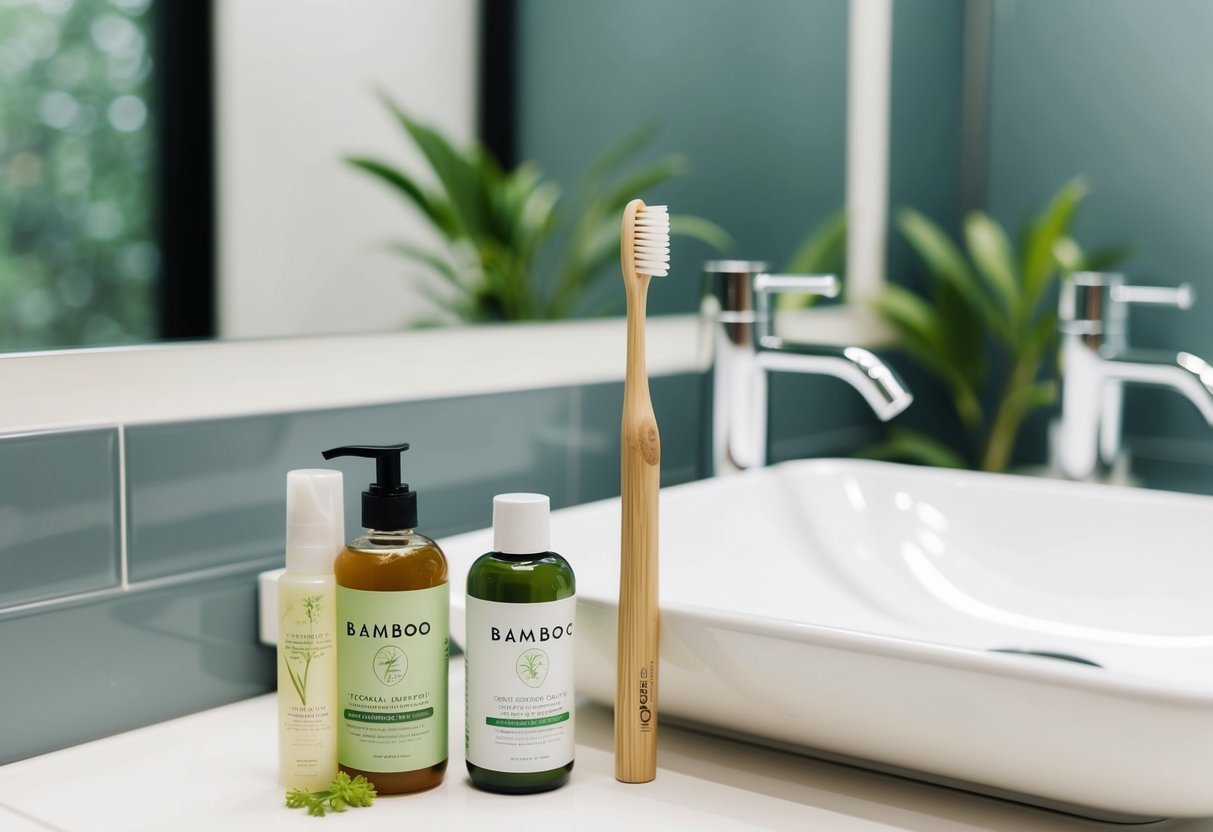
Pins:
x: 315, y: 520
x: 520, y: 524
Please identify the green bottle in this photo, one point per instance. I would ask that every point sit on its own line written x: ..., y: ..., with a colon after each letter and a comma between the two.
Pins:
x: 521, y: 605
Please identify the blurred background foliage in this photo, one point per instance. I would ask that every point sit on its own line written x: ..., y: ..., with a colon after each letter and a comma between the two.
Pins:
x: 78, y: 258
x: 988, y: 328
x: 496, y: 223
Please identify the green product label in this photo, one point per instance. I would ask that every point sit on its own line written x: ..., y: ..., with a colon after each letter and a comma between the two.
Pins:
x: 392, y: 678
x: 538, y: 722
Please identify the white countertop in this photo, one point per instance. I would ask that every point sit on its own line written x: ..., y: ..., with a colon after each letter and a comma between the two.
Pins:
x: 217, y: 770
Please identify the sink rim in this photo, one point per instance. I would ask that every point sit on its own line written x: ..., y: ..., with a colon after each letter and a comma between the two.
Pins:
x: 1102, y: 680
x: 957, y: 476
x: 1009, y: 665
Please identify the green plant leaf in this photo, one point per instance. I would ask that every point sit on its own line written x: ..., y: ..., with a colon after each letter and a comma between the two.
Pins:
x: 454, y: 305
x: 617, y: 154
x: 966, y: 356
x: 536, y: 219
x: 1041, y: 236
x: 1068, y: 254
x: 438, y: 263
x: 587, y: 201
x: 457, y: 173
x: 1108, y: 257
x: 908, y: 445
x: 923, y: 334
x: 435, y: 208
x: 508, y: 195
x: 824, y: 251
x: 641, y: 180
x: 992, y: 254
x: 915, y: 319
x: 1032, y: 397
x: 963, y: 336
x: 949, y: 266
x: 497, y: 222
x: 697, y: 228
x: 598, y: 245
x: 1037, y: 340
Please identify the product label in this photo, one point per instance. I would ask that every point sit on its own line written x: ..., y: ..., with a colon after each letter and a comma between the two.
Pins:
x: 392, y: 671
x: 307, y: 685
x: 520, y: 700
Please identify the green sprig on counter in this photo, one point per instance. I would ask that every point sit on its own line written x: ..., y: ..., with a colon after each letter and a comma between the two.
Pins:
x: 342, y: 792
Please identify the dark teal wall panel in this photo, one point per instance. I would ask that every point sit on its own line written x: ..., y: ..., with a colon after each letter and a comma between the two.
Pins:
x: 1120, y: 91
x: 753, y: 93
x: 924, y: 121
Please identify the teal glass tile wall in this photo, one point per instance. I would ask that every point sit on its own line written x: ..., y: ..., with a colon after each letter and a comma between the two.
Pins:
x: 58, y: 514
x: 205, y: 494
x: 102, y: 665
x: 205, y: 510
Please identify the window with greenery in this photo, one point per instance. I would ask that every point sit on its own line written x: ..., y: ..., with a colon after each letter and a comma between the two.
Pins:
x: 78, y: 252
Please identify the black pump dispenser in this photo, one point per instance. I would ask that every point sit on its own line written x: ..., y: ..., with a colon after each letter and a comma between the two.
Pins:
x: 387, y: 504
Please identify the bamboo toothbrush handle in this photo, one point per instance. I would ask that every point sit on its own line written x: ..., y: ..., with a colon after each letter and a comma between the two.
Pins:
x: 636, y: 687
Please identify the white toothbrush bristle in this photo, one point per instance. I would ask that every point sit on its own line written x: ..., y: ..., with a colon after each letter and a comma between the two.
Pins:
x: 651, y: 240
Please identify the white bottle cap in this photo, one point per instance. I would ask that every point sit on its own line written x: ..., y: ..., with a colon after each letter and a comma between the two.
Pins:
x: 315, y: 520
x: 520, y: 524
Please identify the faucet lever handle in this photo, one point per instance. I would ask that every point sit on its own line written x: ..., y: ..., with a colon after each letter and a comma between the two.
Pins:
x: 826, y: 285
x: 768, y: 285
x: 1180, y: 297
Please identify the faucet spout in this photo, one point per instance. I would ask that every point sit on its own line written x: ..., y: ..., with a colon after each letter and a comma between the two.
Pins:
x: 1093, y: 316
x: 1182, y: 372
x: 738, y: 312
x: 880, y: 387
x: 1089, y: 431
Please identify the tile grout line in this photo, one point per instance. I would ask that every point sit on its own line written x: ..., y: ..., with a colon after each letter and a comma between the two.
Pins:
x: 30, y: 818
x: 223, y: 570
x: 256, y: 565
x: 123, y: 563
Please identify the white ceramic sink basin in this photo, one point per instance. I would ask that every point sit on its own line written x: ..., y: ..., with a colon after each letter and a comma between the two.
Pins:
x: 853, y: 609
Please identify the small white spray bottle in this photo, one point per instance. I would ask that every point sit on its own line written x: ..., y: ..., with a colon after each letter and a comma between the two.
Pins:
x: 307, y: 621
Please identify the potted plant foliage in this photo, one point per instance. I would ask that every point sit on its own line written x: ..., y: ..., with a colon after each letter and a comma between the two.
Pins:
x: 495, y: 223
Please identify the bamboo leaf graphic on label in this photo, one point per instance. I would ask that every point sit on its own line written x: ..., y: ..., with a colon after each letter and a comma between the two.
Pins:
x: 390, y: 664
x: 533, y: 667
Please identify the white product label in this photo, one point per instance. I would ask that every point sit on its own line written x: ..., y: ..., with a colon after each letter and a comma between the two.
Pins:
x: 520, y: 701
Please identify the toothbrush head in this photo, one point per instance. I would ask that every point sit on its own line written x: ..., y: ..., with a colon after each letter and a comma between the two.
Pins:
x: 645, y: 244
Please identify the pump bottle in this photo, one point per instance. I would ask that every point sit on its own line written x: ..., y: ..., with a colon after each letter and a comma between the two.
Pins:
x: 393, y: 613
x: 307, y: 656
x: 521, y: 605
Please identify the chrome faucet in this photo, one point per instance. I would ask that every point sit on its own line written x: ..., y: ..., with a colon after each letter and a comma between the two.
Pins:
x: 737, y: 316
x: 1097, y: 362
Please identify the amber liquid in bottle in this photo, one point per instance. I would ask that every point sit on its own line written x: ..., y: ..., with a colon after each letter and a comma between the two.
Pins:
x: 389, y: 562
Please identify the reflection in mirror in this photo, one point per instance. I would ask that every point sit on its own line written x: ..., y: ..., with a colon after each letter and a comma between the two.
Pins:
x: 753, y: 99
x: 1084, y: 147
x: 743, y: 113
x: 78, y: 252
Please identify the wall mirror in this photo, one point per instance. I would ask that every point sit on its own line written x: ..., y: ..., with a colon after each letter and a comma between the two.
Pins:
x: 179, y: 173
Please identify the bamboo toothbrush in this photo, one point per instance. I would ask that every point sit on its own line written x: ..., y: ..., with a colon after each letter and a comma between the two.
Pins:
x: 644, y: 252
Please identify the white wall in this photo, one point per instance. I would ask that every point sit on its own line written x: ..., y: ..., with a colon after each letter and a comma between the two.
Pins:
x: 300, y: 231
